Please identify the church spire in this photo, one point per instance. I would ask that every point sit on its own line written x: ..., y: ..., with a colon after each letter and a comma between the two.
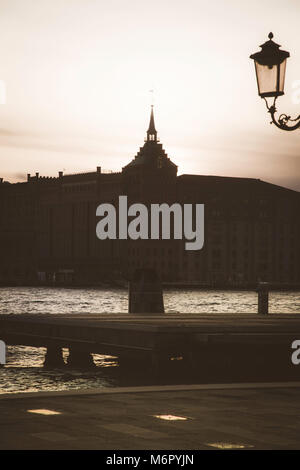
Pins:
x: 151, y: 132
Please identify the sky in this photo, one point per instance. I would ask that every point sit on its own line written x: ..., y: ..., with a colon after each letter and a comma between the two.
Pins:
x: 76, y: 75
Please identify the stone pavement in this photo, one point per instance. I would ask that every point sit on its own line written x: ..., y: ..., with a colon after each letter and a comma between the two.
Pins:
x: 250, y: 416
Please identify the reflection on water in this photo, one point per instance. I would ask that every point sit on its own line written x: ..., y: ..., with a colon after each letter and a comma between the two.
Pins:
x: 24, y: 370
x: 62, y: 300
x: 33, y: 379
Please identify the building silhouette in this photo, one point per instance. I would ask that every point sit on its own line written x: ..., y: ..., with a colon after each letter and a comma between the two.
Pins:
x: 48, y: 227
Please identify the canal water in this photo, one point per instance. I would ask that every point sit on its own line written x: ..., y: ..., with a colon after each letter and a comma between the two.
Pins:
x: 24, y: 369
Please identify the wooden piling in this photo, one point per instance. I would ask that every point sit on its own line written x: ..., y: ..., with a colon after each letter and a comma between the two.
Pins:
x: 263, y: 298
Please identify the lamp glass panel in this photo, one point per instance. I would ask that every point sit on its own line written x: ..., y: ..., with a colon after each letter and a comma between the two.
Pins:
x: 266, y: 79
x: 282, y: 75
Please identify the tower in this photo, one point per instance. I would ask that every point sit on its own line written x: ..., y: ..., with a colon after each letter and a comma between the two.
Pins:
x: 150, y: 178
x: 151, y: 175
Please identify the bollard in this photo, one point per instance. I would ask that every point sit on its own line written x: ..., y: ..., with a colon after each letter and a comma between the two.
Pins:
x: 263, y: 298
x: 145, y: 293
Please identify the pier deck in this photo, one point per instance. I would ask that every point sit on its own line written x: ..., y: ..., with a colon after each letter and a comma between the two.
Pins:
x: 214, y: 345
x: 112, y: 333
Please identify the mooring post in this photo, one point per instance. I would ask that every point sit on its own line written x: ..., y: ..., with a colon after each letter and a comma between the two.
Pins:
x: 263, y: 298
x: 145, y: 293
x: 54, y: 358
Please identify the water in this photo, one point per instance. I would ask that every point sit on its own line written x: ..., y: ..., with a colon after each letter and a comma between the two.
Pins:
x: 24, y: 372
x: 60, y: 300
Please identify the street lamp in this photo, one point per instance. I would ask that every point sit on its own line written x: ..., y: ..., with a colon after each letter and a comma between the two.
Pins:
x: 270, y: 64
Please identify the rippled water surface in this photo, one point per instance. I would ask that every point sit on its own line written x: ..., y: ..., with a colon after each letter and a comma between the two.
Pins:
x: 59, y: 300
x: 24, y: 369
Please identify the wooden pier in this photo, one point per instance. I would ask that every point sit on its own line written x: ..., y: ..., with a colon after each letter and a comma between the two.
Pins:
x: 205, y: 341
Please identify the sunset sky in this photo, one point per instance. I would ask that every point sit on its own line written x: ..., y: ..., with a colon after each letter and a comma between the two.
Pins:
x: 77, y: 75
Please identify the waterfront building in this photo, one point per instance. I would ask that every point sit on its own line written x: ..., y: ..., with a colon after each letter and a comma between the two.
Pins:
x: 48, y: 227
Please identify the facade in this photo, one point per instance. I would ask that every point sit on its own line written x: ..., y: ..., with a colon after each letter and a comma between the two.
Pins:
x: 48, y: 227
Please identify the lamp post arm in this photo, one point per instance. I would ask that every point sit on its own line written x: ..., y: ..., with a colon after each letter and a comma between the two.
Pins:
x: 283, y: 120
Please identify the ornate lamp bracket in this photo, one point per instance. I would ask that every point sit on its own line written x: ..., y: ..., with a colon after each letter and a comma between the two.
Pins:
x: 283, y: 120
